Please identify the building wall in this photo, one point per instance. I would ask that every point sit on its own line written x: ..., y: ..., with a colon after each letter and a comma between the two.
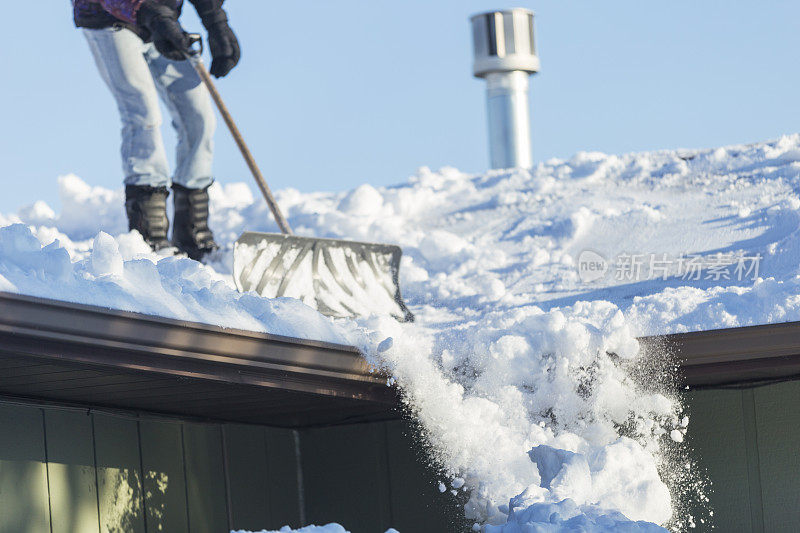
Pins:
x: 63, y: 470
x: 748, y: 442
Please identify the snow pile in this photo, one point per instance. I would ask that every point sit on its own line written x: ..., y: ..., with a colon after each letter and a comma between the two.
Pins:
x: 123, y: 274
x: 530, y: 289
x: 501, y: 396
x: 330, y: 528
x: 566, y: 517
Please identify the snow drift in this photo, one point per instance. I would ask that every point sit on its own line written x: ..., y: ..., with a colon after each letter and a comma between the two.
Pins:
x: 530, y: 290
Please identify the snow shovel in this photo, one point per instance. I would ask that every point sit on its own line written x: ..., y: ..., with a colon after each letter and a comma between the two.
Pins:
x: 338, y: 278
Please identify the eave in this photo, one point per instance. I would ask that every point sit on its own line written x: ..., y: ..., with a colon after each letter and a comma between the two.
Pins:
x: 93, y: 357
x: 64, y: 352
x: 744, y: 355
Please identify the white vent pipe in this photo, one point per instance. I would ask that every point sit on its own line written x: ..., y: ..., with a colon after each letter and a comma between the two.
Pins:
x: 505, y: 56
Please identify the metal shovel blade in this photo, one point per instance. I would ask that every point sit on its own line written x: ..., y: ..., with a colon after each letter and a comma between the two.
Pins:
x: 338, y: 278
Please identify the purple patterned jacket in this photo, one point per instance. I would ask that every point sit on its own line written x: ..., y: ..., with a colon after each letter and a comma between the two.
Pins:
x: 98, y: 14
x: 104, y: 13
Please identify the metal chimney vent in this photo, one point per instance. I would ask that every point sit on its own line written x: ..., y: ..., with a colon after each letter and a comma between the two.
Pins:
x: 505, y: 56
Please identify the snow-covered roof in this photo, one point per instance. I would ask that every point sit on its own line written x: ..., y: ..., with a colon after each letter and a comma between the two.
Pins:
x: 530, y: 289
x: 691, y: 239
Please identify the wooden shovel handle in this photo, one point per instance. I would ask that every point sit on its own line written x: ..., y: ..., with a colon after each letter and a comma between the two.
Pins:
x: 197, y: 62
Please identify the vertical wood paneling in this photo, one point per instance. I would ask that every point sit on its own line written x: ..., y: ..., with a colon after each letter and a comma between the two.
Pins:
x: 24, y: 502
x: 282, y: 468
x: 753, y: 461
x: 716, y: 436
x: 249, y: 478
x: 368, y: 477
x: 778, y: 421
x: 119, y: 479
x: 71, y: 471
x: 163, y: 475
x: 346, y: 477
x: 205, y: 478
x: 417, y: 504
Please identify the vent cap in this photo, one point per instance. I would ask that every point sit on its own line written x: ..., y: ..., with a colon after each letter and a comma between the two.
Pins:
x: 504, y: 42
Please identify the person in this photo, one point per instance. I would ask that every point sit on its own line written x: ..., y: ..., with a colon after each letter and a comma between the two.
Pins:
x: 141, y: 52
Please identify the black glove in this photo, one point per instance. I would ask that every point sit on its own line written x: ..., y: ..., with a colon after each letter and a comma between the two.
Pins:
x: 222, y: 42
x: 162, y: 23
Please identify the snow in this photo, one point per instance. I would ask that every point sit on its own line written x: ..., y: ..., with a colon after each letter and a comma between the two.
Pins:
x: 530, y: 289
x: 123, y: 274
x: 567, y: 517
x: 330, y: 528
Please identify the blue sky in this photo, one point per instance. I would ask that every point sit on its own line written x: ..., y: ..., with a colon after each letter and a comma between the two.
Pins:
x: 334, y: 94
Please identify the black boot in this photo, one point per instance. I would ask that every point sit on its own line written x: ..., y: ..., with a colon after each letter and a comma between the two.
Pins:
x: 191, y: 233
x: 147, y: 213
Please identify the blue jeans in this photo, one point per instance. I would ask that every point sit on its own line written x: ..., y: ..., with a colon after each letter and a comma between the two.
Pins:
x: 137, y: 75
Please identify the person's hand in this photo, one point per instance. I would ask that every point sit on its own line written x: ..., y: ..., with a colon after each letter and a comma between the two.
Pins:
x: 162, y: 23
x: 224, y: 48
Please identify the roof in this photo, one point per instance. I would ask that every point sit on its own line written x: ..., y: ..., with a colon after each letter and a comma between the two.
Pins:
x: 735, y: 356
x: 64, y: 352
x: 90, y: 356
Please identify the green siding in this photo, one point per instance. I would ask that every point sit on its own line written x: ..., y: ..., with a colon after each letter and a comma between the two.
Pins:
x: 24, y: 502
x: 108, y: 473
x: 417, y: 504
x: 717, y: 436
x: 371, y: 477
x: 282, y: 468
x: 778, y: 425
x: 119, y: 478
x: 104, y: 473
x: 246, y: 447
x: 753, y: 462
x: 73, y: 481
x: 346, y: 477
x: 164, y: 481
x: 205, y: 478
x: 747, y: 441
